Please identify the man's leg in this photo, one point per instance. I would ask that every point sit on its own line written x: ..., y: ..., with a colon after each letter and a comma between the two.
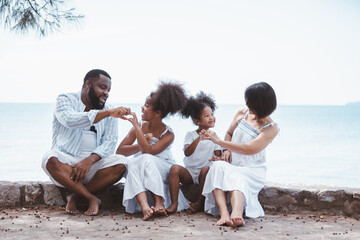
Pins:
x: 61, y: 173
x: 103, y: 178
x: 106, y: 177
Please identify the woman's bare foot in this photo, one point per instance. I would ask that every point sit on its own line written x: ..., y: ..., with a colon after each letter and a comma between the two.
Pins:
x: 172, y: 208
x: 235, y: 222
x: 196, y: 206
x: 71, y: 204
x: 93, y: 208
x: 148, y: 212
x: 224, y: 218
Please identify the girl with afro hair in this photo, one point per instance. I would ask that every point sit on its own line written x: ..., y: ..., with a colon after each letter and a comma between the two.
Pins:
x: 146, y: 187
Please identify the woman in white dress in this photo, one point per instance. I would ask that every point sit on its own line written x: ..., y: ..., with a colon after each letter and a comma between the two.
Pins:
x: 198, y: 151
x: 146, y: 187
x: 232, y: 185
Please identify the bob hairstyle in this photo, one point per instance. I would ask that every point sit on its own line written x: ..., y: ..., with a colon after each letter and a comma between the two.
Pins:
x: 261, y: 99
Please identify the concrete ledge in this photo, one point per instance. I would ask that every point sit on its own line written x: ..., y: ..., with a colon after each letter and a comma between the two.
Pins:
x: 274, y: 197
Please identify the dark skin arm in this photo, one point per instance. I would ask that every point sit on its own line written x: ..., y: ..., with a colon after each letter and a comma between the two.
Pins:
x: 144, y: 140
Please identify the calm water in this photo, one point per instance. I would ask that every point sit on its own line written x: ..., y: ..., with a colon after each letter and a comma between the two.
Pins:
x: 316, y: 145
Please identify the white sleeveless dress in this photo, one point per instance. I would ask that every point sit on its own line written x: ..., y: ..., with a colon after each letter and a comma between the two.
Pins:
x: 246, y: 173
x: 150, y: 173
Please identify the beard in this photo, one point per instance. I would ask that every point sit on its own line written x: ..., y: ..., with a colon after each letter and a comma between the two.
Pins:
x: 94, y: 100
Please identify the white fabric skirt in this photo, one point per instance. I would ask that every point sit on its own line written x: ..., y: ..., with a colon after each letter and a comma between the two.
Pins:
x: 228, y: 177
x: 148, y: 173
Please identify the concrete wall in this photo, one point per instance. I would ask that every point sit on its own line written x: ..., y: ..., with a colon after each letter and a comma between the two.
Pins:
x: 274, y: 197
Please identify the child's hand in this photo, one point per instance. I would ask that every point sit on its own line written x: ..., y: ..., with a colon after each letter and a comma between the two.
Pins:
x: 202, y: 135
x: 134, y: 121
x: 149, y: 137
x: 215, y: 158
x: 211, y: 136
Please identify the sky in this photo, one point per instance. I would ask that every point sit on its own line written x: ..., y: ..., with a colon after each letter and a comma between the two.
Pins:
x: 308, y: 50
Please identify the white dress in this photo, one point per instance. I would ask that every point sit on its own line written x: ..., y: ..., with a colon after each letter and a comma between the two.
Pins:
x: 200, y: 157
x: 246, y: 173
x: 150, y: 173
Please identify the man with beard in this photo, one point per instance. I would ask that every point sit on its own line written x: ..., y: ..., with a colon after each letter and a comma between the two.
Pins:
x: 85, y: 134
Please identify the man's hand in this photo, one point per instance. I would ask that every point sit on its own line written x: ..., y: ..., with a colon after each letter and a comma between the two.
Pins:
x: 119, y: 112
x: 81, y: 169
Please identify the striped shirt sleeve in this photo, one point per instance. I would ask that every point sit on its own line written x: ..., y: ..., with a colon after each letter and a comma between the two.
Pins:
x: 68, y: 116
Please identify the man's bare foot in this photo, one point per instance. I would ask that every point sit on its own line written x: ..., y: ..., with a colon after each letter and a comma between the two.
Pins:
x: 172, y: 208
x: 235, y: 222
x: 224, y: 218
x: 148, y: 212
x: 196, y: 206
x: 93, y: 208
x: 71, y: 204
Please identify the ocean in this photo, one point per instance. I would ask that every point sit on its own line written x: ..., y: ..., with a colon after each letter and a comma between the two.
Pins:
x: 317, y: 145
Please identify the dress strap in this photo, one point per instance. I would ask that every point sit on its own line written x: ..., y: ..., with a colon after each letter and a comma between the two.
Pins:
x: 267, y: 125
x: 165, y: 131
x: 245, y: 115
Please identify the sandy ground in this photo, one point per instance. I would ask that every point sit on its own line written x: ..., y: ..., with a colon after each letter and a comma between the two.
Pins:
x: 54, y: 223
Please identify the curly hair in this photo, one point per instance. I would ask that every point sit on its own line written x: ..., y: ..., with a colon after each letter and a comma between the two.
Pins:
x: 196, y: 104
x: 169, y: 98
x: 261, y: 99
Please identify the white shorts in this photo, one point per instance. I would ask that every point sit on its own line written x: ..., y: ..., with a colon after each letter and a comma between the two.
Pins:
x: 110, y: 161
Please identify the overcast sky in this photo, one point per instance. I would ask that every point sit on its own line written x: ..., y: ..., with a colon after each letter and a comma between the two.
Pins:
x: 309, y: 51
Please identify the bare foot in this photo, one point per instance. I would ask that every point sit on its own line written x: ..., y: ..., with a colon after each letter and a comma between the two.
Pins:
x: 148, y: 212
x: 71, y: 204
x: 224, y: 218
x: 196, y: 206
x: 235, y: 222
x: 160, y: 210
x: 93, y: 208
x: 172, y: 208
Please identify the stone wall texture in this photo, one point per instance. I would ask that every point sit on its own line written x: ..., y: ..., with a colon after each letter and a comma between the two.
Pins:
x: 274, y: 197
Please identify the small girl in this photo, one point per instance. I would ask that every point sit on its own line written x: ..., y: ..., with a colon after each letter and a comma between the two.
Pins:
x: 249, y: 134
x: 148, y: 172
x: 197, y: 150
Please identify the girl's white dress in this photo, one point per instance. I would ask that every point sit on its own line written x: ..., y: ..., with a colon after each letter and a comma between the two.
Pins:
x: 246, y: 173
x: 200, y: 157
x: 150, y: 173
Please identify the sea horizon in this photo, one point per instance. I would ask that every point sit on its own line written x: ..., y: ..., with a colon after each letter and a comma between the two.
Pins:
x: 317, y: 145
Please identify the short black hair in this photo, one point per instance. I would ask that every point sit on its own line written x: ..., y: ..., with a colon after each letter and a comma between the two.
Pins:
x: 169, y: 98
x: 261, y: 99
x: 196, y: 104
x: 95, y: 74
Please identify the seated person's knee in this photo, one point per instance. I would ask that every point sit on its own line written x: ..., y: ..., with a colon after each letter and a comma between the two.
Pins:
x: 175, y: 169
x: 205, y: 169
x: 52, y: 163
